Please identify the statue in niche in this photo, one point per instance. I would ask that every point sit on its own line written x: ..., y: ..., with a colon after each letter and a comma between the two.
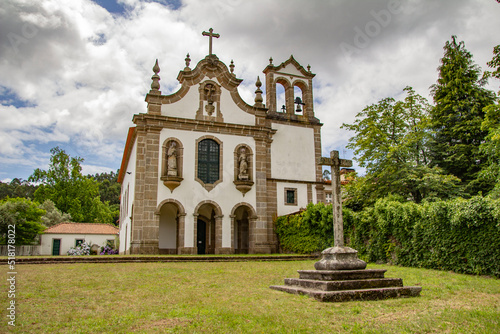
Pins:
x: 209, y: 91
x: 172, y: 159
x: 243, y: 165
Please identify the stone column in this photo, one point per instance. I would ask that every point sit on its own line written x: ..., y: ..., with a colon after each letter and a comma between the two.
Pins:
x: 195, y: 232
x: 145, y: 232
x: 218, y: 237
x: 181, y: 221
x: 258, y: 241
x: 233, y: 228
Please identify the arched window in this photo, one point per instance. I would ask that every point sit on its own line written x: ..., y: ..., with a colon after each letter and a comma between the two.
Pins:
x: 208, y: 161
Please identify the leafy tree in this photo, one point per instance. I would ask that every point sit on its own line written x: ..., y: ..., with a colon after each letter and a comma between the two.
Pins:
x: 457, y: 116
x: 17, y: 188
x: 109, y: 188
x: 391, y: 141
x: 491, y: 146
x: 25, y: 215
x: 495, y: 64
x: 53, y: 215
x: 70, y: 191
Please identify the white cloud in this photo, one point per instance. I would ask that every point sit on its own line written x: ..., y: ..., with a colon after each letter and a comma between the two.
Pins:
x: 83, y: 72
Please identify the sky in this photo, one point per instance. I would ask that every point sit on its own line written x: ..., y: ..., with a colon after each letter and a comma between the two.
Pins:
x: 73, y: 73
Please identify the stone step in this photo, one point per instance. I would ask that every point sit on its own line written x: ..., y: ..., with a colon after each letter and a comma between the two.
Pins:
x: 341, y: 275
x: 345, y: 285
x: 352, y: 295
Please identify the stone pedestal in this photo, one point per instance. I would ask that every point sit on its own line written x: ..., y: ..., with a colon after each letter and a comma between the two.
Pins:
x: 340, y: 258
x: 171, y: 182
x: 347, y: 285
x: 340, y: 275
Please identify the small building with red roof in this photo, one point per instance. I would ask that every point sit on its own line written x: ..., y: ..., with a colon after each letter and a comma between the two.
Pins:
x: 58, y: 239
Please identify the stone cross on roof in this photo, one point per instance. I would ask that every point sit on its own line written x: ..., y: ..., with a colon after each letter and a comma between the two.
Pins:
x: 210, y: 34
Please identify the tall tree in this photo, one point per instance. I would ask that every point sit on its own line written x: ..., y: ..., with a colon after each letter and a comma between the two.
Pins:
x: 71, y: 192
x: 491, y: 124
x: 391, y: 141
x: 456, y: 119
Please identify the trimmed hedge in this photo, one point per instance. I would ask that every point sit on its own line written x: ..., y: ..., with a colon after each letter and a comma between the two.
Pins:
x: 459, y: 235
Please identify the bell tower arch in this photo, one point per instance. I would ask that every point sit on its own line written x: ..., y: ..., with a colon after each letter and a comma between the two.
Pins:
x: 296, y: 82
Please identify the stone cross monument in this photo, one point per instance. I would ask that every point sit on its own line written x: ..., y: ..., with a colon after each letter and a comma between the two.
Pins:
x: 338, y: 257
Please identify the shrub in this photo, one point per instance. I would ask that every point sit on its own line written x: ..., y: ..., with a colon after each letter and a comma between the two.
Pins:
x: 81, y: 249
x: 307, y: 232
x: 459, y: 235
x: 107, y: 250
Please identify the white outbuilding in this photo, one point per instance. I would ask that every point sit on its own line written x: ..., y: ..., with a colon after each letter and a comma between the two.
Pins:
x: 58, y: 239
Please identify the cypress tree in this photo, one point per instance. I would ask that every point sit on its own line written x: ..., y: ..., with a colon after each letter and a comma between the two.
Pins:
x: 456, y: 119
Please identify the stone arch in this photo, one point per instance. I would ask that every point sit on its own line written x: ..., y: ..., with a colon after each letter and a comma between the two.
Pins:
x: 306, y: 95
x: 182, y: 211
x: 243, y: 218
x: 247, y: 205
x: 171, y: 226
x: 208, y: 236
x: 288, y: 93
x: 214, y: 204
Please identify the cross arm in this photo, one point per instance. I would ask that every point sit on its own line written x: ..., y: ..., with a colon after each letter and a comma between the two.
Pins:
x: 334, y: 162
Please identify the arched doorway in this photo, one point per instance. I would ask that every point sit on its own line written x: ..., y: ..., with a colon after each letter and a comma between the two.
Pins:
x: 206, y: 229
x: 171, y: 227
x: 241, y: 231
x: 242, y: 219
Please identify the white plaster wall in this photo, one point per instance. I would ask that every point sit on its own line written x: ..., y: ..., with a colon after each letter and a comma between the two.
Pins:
x: 190, y: 192
x: 292, y: 153
x: 290, y: 69
x: 125, y: 216
x: 185, y: 107
x: 69, y: 240
x: 232, y: 113
x: 189, y: 104
x: 301, y: 197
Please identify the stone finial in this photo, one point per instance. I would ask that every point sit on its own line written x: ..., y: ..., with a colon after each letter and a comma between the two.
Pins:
x: 155, y: 85
x: 231, y: 66
x: 258, y: 94
x: 271, y: 61
x: 188, y: 61
x: 308, y: 68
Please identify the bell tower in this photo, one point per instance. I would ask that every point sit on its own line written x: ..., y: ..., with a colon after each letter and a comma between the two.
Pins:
x: 289, y: 93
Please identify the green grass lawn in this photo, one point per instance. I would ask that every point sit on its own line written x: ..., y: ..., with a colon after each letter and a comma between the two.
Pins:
x: 234, y: 297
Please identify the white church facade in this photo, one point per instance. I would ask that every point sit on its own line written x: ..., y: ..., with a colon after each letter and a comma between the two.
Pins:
x: 203, y: 172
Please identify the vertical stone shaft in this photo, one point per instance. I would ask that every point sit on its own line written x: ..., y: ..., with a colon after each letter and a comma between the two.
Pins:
x: 259, y: 240
x: 338, y: 224
x: 145, y: 228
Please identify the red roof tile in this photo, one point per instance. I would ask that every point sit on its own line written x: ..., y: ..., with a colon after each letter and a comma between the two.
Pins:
x: 82, y: 228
